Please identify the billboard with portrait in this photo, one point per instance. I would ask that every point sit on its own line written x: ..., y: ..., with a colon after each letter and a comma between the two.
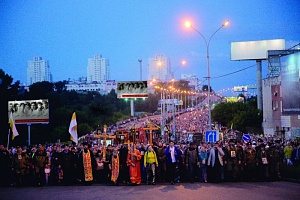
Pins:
x: 29, y: 111
x: 132, y: 89
x: 290, y: 83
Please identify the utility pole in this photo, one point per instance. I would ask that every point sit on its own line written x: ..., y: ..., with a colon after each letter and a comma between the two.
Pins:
x: 140, y: 61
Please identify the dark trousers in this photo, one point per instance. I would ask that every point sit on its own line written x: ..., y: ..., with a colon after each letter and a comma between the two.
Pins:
x: 124, y: 174
x: 251, y: 172
x: 161, y: 171
x: 39, y: 176
x: 69, y: 177
x: 171, y: 170
x: 215, y: 173
x: 192, y: 169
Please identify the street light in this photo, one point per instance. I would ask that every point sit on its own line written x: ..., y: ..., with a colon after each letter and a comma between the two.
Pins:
x: 174, y: 107
x: 162, y: 103
x: 188, y: 24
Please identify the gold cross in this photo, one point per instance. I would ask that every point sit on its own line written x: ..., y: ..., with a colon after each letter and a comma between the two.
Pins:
x: 151, y: 128
x: 104, y: 136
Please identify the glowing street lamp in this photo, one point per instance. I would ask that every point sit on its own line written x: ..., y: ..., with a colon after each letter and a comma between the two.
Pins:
x: 188, y: 24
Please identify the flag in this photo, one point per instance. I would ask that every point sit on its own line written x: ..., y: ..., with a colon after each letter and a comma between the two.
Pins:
x: 13, y: 126
x: 73, y: 129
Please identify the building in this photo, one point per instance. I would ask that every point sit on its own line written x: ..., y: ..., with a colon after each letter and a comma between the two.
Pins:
x: 159, y: 68
x: 281, y: 98
x: 98, y: 69
x: 38, y: 70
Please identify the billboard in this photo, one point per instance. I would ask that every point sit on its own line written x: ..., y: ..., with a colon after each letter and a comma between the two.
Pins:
x: 169, y: 101
x: 234, y: 99
x: 240, y: 88
x: 29, y: 111
x: 132, y: 89
x: 255, y: 50
x: 290, y: 83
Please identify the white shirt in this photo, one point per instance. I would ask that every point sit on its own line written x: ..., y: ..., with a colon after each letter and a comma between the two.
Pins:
x: 172, y: 149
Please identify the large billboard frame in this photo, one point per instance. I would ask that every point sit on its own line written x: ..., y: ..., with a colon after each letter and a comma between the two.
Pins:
x: 132, y: 89
x: 290, y: 84
x: 255, y: 50
x: 29, y: 111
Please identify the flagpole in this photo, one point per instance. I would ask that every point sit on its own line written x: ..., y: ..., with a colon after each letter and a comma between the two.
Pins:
x: 8, y: 138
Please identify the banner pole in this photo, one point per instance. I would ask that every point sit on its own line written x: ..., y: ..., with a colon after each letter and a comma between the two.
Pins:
x: 28, y: 125
x: 8, y: 138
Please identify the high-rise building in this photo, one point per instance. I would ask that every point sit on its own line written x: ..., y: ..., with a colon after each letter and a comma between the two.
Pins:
x: 98, y: 69
x: 38, y: 70
x: 159, y: 67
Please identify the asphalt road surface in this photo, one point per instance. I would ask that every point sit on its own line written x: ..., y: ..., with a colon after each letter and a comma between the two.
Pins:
x: 182, y: 191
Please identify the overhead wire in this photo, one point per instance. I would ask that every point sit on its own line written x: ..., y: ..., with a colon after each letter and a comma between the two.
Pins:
x: 233, y: 72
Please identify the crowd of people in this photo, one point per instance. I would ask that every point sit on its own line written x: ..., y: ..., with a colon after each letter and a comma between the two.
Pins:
x: 135, y: 164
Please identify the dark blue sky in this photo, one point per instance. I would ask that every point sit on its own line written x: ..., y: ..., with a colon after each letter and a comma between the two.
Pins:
x: 69, y: 32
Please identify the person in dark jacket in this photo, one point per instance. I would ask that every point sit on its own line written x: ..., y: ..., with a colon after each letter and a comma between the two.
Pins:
x: 172, y: 155
x: 40, y: 160
x: 68, y: 164
x: 191, y: 161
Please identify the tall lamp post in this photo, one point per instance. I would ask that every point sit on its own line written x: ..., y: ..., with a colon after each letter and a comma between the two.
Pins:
x: 189, y: 25
x: 174, y: 107
x: 162, y: 103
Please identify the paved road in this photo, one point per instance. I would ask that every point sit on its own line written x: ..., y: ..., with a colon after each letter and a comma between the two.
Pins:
x: 184, y: 191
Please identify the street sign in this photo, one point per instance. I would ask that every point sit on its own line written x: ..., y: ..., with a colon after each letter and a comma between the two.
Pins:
x: 211, y: 136
x: 246, y: 137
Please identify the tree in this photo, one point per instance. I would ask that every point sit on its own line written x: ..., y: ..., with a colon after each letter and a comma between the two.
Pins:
x: 9, y: 92
x: 149, y: 104
x: 60, y: 86
x: 41, y: 89
x: 243, y: 116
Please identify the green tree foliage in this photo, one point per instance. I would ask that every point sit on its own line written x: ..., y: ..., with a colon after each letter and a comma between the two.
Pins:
x: 149, y: 104
x: 242, y: 116
x: 8, y: 91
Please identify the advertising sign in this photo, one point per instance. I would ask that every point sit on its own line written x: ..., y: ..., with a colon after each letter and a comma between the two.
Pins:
x: 255, y: 50
x: 290, y: 84
x: 240, y: 88
x: 29, y: 111
x: 132, y: 89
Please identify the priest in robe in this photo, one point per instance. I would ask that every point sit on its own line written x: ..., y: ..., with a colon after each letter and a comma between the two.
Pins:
x: 114, y: 166
x: 86, y: 165
x: 133, y: 161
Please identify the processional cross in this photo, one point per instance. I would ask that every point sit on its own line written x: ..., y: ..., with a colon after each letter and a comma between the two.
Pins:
x: 104, y: 136
x: 151, y: 128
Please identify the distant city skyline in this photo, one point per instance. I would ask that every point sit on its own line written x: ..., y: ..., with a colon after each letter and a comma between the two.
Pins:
x: 67, y: 34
